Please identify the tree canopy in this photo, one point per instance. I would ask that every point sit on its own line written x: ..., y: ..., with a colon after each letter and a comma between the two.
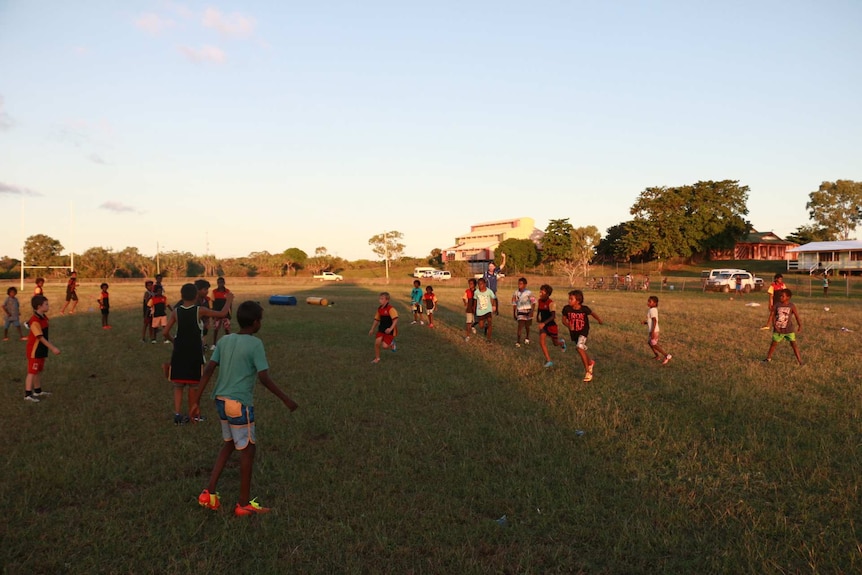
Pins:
x: 557, y: 241
x: 836, y: 207
x: 387, y: 246
x: 294, y: 259
x: 42, y: 250
x: 520, y: 254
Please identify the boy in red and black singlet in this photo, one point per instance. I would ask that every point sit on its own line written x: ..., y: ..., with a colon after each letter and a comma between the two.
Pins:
x: 71, y: 293
x: 576, y: 316
x: 159, y: 307
x: 104, y: 300
x: 385, y: 326
x: 469, y: 300
x: 38, y: 347
x: 219, y: 300
x: 38, y: 289
x: 546, y: 314
x: 430, y: 301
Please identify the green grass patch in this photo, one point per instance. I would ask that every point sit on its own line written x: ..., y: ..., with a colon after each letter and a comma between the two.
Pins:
x: 715, y: 463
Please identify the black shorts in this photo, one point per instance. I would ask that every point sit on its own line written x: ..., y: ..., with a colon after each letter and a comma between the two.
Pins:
x: 71, y: 296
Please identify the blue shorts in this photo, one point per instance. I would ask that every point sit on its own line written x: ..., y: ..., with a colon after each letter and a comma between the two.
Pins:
x: 237, y: 421
x: 11, y: 321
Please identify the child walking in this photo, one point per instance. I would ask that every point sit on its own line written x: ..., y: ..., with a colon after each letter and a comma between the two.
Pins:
x: 652, y: 324
x: 486, y: 307
x: 523, y: 308
x: 12, y: 309
x: 104, y: 305
x: 416, y: 303
x: 148, y: 315
x: 782, y: 326
x: 469, y: 300
x: 244, y: 360
x: 430, y: 301
x: 546, y: 316
x: 187, y: 358
x: 385, y: 325
x: 38, y: 347
x: 576, y: 316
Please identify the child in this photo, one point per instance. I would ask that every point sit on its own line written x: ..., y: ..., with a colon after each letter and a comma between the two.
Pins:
x: 148, y: 316
x: 203, y: 287
x: 486, y: 303
x: 104, y: 305
x: 546, y: 316
x: 38, y: 347
x: 523, y: 308
x: 776, y: 285
x: 576, y: 316
x: 12, y: 309
x: 244, y: 360
x: 219, y: 301
x: 430, y: 301
x: 469, y: 300
x: 825, y: 285
x: 71, y: 293
x: 782, y: 326
x: 158, y: 308
x: 187, y: 357
x: 385, y: 325
x: 652, y: 323
x: 38, y: 290
x: 416, y: 303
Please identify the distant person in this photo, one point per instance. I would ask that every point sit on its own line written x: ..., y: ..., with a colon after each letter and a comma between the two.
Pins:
x: 486, y: 307
x: 12, y: 311
x: 38, y: 347
x: 104, y: 301
x: 738, y: 282
x: 39, y: 289
x: 429, y: 300
x: 71, y: 293
x: 777, y: 284
x: 576, y: 316
x: 825, y: 284
x: 654, y: 330
x: 203, y: 287
x: 546, y: 315
x: 646, y: 283
x: 148, y: 316
x: 187, y: 358
x: 243, y: 360
x: 219, y: 301
x: 628, y: 280
x: 469, y: 300
x: 492, y: 274
x: 781, y: 316
x: 385, y: 326
x: 416, y: 296
x: 523, y: 310
x: 159, y: 308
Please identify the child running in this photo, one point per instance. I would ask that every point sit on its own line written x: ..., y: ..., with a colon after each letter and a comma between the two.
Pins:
x: 416, y: 303
x: 546, y: 316
x: 653, y: 327
x: 71, y: 293
x: 38, y: 347
x: 576, y: 316
x: 104, y: 300
x: 385, y: 325
x: 12, y: 309
x: 486, y: 306
x: 187, y: 358
x: 469, y: 300
x: 782, y: 326
x: 523, y: 309
x: 430, y: 301
x: 243, y: 360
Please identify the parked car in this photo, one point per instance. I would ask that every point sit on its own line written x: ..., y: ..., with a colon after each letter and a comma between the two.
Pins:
x: 726, y: 282
x: 442, y: 275
x: 423, y: 272
x: 329, y: 276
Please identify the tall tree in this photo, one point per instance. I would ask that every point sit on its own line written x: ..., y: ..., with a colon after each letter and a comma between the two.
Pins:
x: 99, y: 263
x: 387, y: 246
x: 557, y: 241
x: 687, y: 220
x: 42, y: 250
x: 584, y: 242
x: 837, y: 207
x: 435, y: 258
x: 610, y: 247
x: 520, y: 254
x: 294, y: 259
x: 809, y: 233
x: 320, y: 261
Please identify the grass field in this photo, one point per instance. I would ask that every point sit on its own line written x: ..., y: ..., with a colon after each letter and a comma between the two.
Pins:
x: 715, y: 463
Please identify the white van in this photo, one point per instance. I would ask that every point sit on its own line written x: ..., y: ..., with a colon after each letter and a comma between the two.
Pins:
x: 442, y: 275
x: 423, y: 272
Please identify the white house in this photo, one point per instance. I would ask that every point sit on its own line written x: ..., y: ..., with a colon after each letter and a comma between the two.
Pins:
x: 832, y: 257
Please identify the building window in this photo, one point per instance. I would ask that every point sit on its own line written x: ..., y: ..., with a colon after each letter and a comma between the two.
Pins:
x: 826, y: 256
x: 856, y: 256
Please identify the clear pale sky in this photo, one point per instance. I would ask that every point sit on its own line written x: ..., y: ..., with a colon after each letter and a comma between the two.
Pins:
x: 233, y: 127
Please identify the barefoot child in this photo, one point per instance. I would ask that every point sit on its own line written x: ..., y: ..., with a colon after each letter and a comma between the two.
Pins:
x: 469, y: 300
x: 12, y: 310
x: 546, y: 316
x: 385, y: 326
x: 523, y: 308
x: 430, y: 301
x: 783, y: 311
x: 652, y: 323
x: 244, y: 361
x: 104, y: 301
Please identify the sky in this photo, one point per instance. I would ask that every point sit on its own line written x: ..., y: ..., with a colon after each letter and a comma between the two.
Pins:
x: 231, y: 127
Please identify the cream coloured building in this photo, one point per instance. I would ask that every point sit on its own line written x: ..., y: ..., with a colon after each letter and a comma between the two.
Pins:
x: 479, y: 243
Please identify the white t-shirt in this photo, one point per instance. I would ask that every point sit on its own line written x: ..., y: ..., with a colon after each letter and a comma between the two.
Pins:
x: 652, y: 313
